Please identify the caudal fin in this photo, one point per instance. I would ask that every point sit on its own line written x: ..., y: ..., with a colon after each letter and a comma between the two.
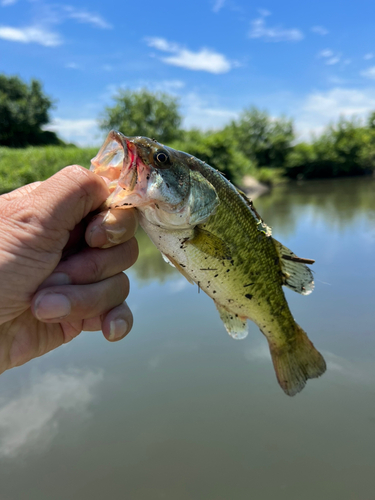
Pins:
x: 296, y: 362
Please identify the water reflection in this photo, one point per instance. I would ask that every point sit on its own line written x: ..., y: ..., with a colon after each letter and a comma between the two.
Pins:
x: 336, y: 202
x: 30, y: 419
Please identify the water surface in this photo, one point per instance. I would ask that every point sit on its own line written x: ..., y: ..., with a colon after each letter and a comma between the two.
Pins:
x: 179, y: 410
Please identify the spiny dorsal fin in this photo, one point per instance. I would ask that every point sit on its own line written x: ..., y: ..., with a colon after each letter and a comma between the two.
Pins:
x: 297, y: 276
x: 262, y: 226
x: 234, y: 324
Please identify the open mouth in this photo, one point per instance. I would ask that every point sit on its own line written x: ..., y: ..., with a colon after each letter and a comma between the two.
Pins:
x: 117, y: 163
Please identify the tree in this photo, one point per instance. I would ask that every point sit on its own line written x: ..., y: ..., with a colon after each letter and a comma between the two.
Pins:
x: 216, y: 149
x: 23, y: 111
x: 261, y: 138
x: 144, y: 113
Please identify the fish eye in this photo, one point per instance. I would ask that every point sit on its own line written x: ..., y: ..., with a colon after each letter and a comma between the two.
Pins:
x: 161, y: 157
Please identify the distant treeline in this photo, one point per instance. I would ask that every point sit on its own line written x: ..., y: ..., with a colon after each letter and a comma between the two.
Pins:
x: 255, y: 144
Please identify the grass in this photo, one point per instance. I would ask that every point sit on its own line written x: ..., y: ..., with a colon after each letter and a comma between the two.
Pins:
x: 23, y: 166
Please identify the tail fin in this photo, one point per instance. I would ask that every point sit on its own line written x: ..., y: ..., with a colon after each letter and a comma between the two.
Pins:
x: 296, y: 362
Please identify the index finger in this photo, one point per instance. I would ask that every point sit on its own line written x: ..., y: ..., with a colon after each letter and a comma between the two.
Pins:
x: 112, y: 228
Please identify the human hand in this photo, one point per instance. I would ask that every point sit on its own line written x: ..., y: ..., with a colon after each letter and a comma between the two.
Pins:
x: 55, y: 281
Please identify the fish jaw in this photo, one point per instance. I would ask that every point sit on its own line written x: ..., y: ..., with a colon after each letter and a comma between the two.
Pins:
x: 118, y: 163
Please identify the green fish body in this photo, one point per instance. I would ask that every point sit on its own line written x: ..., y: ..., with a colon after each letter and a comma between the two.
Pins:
x: 213, y: 235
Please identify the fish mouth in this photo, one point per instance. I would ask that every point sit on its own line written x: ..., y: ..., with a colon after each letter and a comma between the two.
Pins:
x: 117, y: 163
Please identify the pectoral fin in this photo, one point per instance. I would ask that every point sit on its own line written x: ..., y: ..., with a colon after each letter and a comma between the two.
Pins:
x: 210, y: 244
x: 297, y: 276
x: 235, y: 325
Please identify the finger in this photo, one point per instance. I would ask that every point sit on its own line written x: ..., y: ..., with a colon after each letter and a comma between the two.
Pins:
x: 117, y: 323
x: 77, y: 302
x: 112, y: 227
x: 64, y: 199
x: 22, y: 191
x: 93, y: 264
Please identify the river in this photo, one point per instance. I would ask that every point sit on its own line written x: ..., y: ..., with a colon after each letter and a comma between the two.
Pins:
x: 180, y: 411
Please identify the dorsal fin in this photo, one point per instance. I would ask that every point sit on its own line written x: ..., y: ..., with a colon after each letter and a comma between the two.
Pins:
x: 262, y: 226
x: 297, y: 276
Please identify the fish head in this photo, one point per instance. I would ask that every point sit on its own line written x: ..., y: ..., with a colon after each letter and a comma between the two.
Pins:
x: 161, y: 182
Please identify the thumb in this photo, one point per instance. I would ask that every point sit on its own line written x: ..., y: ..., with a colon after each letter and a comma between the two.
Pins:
x: 64, y: 199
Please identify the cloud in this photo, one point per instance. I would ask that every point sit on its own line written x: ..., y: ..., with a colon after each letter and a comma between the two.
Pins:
x: 204, y: 114
x: 83, y: 16
x: 203, y: 60
x: 72, y: 65
x: 218, y: 5
x: 320, y: 30
x: 264, y: 12
x: 276, y: 34
x: 325, y: 53
x: 321, y: 108
x: 83, y: 132
x: 331, y: 58
x: 31, y: 418
x: 31, y: 34
x: 369, y: 73
x: 5, y: 3
x: 368, y: 56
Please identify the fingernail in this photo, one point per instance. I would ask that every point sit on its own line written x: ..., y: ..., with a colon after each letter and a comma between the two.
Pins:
x: 52, y: 306
x: 56, y: 279
x: 117, y: 329
x: 97, y: 236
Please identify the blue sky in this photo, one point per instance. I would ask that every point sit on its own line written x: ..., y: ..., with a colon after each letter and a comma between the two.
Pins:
x: 309, y: 60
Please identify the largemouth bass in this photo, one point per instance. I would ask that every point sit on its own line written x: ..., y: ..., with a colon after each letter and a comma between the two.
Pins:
x: 212, y: 234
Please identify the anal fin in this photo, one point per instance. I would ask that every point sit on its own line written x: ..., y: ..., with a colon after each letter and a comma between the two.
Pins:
x: 235, y: 325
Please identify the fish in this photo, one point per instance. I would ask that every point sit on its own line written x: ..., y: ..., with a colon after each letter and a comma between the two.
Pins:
x: 212, y: 234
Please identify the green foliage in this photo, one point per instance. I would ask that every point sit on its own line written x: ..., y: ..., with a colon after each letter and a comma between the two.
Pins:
x: 266, y: 141
x: 153, y: 115
x: 218, y: 150
x: 347, y: 148
x: 22, y: 166
x: 23, y: 110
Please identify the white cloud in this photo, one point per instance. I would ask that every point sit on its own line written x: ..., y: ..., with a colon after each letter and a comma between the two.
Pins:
x: 203, y: 114
x: 264, y: 12
x: 333, y: 60
x: 368, y: 56
x: 31, y: 418
x: 321, y: 108
x: 83, y: 16
x: 218, y: 5
x: 369, y: 73
x: 31, y: 34
x: 72, y: 65
x: 276, y: 34
x: 83, y: 132
x: 320, y: 30
x: 4, y: 3
x: 203, y: 60
x: 325, y: 53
